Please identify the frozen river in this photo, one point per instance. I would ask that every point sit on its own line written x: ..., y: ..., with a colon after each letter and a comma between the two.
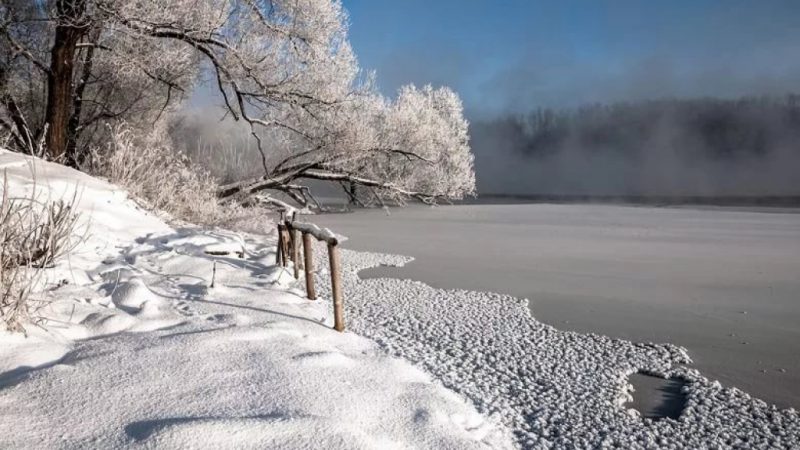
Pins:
x: 725, y: 284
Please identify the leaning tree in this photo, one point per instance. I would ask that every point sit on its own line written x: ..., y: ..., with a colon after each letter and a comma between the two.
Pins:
x: 285, y: 68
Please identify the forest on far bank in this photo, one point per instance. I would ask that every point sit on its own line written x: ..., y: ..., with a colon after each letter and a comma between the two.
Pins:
x: 702, y: 146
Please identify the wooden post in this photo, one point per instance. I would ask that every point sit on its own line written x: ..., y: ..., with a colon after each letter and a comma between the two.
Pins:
x: 299, y: 237
x: 213, y: 273
x: 295, y: 253
x: 336, y: 287
x: 286, y: 255
x: 308, y: 253
x: 280, y: 256
x: 279, y: 260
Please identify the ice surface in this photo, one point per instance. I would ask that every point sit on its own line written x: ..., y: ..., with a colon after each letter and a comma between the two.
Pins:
x: 722, y: 283
x: 555, y: 389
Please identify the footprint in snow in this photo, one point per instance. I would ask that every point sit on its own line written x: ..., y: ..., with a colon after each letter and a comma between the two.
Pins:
x: 185, y: 309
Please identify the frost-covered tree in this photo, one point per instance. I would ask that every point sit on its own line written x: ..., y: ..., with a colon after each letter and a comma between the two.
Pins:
x: 124, y: 57
x: 284, y: 67
x: 416, y: 146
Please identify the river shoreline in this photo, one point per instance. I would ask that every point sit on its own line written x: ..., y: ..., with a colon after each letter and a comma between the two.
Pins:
x: 719, y: 283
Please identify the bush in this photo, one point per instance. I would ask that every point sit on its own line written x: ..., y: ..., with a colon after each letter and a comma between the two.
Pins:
x: 157, y: 175
x: 32, y: 237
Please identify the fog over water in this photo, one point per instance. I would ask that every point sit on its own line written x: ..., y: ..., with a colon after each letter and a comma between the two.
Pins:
x: 651, y: 127
x: 705, y: 147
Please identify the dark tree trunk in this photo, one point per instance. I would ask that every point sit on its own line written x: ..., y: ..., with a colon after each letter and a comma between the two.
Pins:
x: 73, y: 127
x: 351, y: 192
x: 60, y: 88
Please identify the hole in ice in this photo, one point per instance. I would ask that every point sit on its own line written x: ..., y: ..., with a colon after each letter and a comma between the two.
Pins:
x: 656, y: 397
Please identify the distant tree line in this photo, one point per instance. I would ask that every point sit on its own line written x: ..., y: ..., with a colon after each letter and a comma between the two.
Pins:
x: 669, y: 147
x: 692, y: 128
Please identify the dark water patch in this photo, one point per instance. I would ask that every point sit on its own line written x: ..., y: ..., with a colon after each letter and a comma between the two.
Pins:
x: 657, y: 398
x: 383, y: 271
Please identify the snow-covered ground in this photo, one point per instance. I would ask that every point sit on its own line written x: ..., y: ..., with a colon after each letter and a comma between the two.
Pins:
x: 138, y: 350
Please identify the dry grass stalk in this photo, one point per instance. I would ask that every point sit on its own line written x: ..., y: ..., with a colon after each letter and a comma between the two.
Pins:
x: 32, y: 237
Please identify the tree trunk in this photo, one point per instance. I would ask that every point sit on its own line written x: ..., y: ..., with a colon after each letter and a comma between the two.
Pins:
x: 60, y: 88
x: 73, y: 127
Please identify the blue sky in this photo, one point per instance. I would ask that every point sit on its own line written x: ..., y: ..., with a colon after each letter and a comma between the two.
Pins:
x: 516, y: 54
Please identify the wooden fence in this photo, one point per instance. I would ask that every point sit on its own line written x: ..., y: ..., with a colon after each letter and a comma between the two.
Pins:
x: 293, y: 234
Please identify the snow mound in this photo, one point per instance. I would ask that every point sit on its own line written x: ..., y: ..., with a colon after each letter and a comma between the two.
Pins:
x: 134, y: 296
x: 20, y: 354
x: 100, y: 324
x: 109, y: 219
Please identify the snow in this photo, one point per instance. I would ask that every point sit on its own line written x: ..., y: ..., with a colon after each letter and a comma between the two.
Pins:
x: 555, y: 389
x: 139, y: 351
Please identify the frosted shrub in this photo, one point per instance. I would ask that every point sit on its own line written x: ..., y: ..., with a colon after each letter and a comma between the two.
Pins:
x: 155, y: 174
x: 33, y: 236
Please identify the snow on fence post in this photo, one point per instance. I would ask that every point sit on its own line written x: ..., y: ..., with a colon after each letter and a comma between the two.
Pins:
x: 336, y: 287
x: 308, y: 253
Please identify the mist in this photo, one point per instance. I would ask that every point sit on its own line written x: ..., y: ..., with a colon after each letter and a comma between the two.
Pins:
x: 701, y: 147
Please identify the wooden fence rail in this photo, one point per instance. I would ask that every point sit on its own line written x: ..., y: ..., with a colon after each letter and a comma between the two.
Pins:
x: 289, y: 242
